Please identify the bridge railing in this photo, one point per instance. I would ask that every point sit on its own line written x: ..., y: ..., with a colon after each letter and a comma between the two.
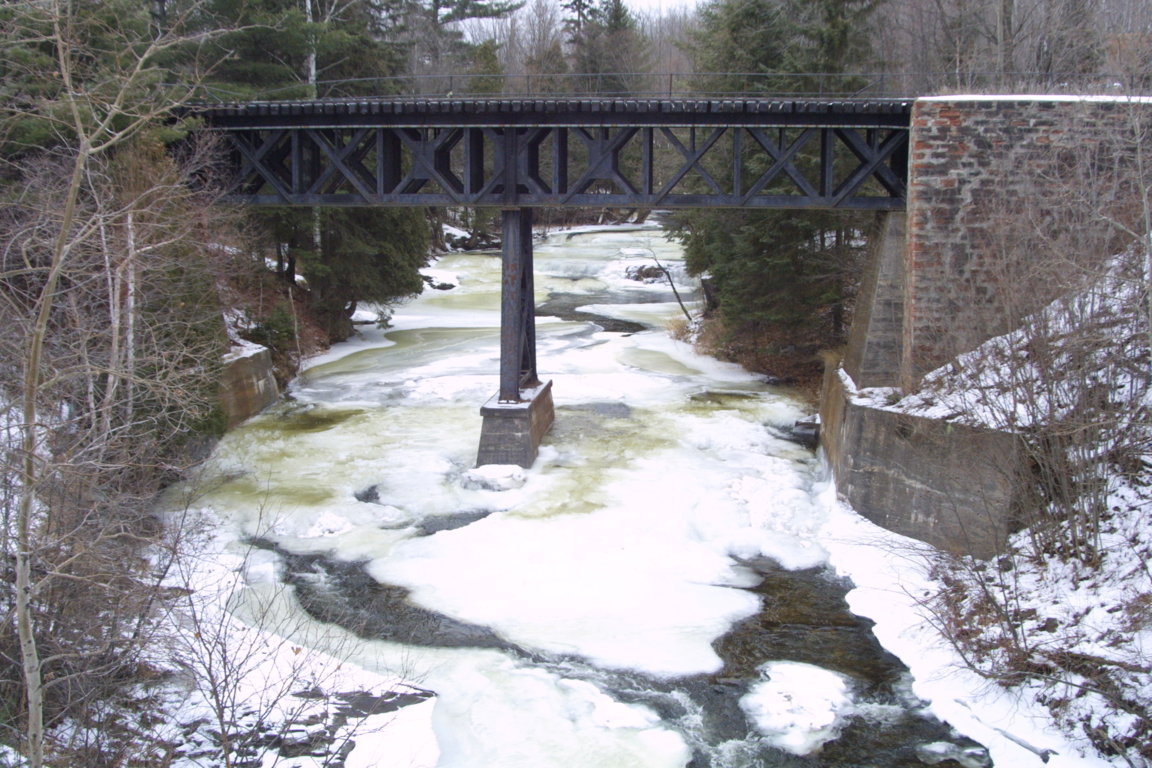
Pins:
x: 696, y: 85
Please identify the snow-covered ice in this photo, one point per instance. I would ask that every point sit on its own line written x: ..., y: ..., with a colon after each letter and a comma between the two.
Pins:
x: 798, y: 706
x: 619, y: 547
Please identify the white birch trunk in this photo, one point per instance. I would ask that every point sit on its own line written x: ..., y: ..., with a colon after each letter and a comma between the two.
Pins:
x: 310, y: 61
x: 30, y: 474
x: 130, y: 288
x: 111, y: 379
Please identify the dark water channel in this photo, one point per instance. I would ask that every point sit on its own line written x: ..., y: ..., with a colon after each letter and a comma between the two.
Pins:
x: 805, y: 618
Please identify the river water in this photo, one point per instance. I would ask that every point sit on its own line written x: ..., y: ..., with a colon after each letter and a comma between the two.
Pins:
x: 652, y: 592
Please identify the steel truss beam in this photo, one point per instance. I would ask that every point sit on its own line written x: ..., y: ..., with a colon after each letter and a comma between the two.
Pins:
x: 800, y: 158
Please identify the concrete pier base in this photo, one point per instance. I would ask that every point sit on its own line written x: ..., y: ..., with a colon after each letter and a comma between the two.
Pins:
x: 512, y: 432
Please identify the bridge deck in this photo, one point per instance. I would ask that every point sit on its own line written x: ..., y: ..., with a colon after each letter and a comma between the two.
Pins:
x: 560, y: 111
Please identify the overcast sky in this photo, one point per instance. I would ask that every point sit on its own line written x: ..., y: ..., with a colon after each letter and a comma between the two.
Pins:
x: 658, y: 5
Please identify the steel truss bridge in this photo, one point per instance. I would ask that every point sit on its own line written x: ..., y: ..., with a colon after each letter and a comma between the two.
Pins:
x: 519, y: 154
x: 651, y: 153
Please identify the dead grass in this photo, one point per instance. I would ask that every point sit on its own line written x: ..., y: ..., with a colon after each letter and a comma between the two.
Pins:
x: 781, y: 354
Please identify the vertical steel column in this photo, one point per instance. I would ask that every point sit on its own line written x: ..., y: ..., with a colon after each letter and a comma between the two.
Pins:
x: 517, y: 417
x: 517, y: 307
x: 517, y: 304
x: 827, y: 162
x: 528, y: 375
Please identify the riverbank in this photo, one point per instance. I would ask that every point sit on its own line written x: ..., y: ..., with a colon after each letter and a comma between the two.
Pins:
x: 776, y: 354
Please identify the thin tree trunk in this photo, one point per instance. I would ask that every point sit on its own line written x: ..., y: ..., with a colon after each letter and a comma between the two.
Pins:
x: 1005, y: 38
x: 30, y: 475
x: 1146, y: 241
x: 130, y: 322
x: 310, y: 60
x: 675, y: 292
x: 111, y: 380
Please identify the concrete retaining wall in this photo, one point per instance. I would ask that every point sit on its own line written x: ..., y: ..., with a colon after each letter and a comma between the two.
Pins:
x: 947, y: 484
x: 875, y: 342
x: 247, y: 386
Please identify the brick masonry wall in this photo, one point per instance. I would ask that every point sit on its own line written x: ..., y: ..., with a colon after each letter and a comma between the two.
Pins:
x: 1000, y: 192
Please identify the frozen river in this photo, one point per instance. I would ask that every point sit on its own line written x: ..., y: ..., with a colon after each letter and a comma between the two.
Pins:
x: 652, y: 592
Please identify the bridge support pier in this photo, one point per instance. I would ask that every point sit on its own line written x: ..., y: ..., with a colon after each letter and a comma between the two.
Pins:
x: 520, y: 414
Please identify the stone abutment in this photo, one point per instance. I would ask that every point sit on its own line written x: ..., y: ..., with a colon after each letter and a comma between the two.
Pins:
x: 1011, y: 200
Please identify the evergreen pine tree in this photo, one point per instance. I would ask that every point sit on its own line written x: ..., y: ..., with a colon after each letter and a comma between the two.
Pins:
x: 364, y: 255
x: 782, y: 278
x: 837, y: 41
x: 742, y: 46
x: 434, y: 36
x: 607, y: 45
x: 287, y: 49
x: 317, y: 49
x: 488, y: 74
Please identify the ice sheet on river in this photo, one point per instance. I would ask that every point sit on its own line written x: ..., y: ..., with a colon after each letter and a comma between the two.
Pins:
x: 621, y: 549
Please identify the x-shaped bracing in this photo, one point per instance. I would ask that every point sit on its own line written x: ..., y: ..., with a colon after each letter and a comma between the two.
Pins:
x: 674, y: 166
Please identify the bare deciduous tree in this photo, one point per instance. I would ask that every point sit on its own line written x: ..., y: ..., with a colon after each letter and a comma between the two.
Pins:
x: 103, y: 357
